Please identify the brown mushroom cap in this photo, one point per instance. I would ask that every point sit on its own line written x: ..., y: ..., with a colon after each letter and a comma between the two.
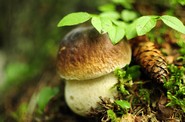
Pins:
x: 86, y: 54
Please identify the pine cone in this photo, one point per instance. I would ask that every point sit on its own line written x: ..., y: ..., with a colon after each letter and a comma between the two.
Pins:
x: 149, y: 58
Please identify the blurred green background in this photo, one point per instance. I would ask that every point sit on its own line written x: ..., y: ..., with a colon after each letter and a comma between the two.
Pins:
x: 29, y: 40
x: 29, y: 36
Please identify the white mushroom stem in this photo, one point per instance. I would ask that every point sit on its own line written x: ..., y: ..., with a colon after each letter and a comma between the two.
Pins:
x: 81, y: 96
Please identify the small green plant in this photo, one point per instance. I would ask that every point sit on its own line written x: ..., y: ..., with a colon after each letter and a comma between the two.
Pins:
x: 112, y: 116
x: 176, y: 87
x: 124, y: 105
x: 118, y: 25
x: 144, y: 95
x: 21, y: 112
x: 181, y: 50
x: 123, y: 81
x: 125, y: 77
x: 44, y: 96
x: 175, y: 2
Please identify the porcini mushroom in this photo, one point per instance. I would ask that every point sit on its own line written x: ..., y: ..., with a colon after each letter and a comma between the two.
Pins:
x: 86, y: 60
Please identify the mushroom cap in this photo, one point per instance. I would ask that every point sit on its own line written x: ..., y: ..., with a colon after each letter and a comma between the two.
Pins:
x: 85, y: 54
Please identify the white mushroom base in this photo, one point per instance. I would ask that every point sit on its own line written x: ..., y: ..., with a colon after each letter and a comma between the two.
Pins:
x: 81, y: 96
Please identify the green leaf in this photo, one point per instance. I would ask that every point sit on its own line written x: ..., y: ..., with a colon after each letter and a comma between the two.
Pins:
x: 119, y: 73
x: 134, y: 71
x: 15, y: 71
x: 176, y: 2
x: 128, y: 15
x: 107, y: 7
x: 96, y: 22
x: 113, y: 15
x: 102, y: 24
x: 116, y: 34
x: 122, y: 89
x: 123, y: 104
x: 145, y: 24
x: 111, y: 115
x: 120, y: 23
x: 174, y: 23
x: 45, y: 95
x: 74, y: 19
x: 20, y: 112
x: 182, y: 2
x: 144, y: 95
x: 131, y: 30
x: 125, y: 3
